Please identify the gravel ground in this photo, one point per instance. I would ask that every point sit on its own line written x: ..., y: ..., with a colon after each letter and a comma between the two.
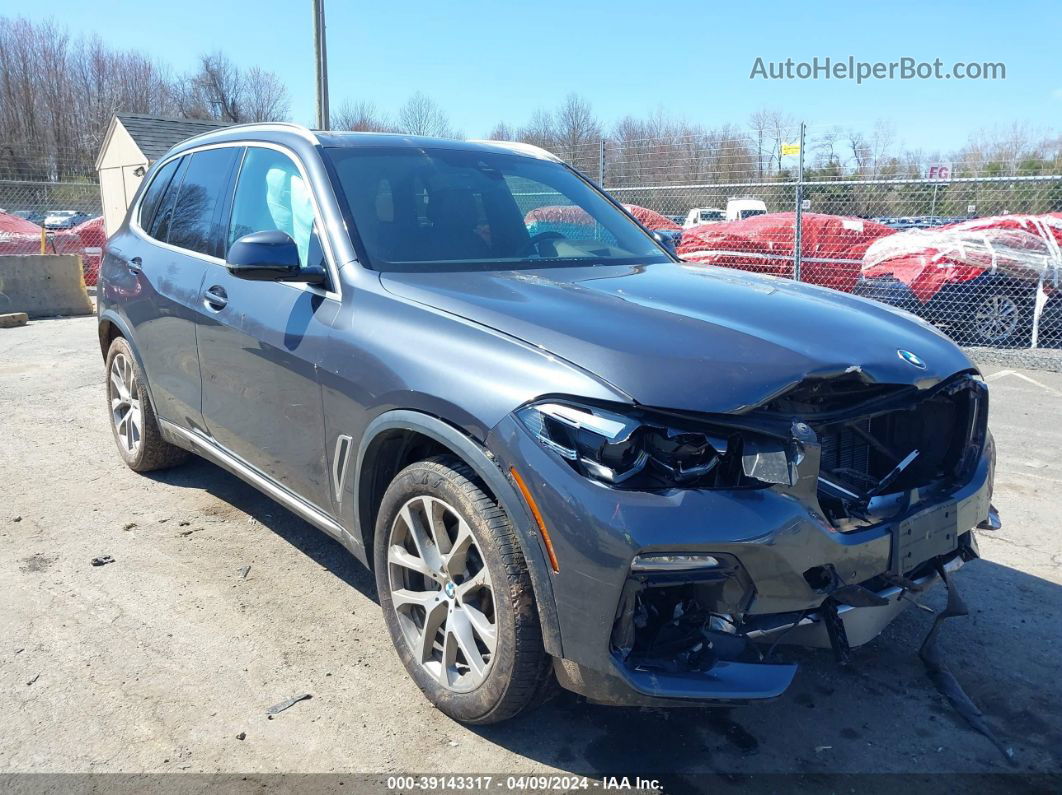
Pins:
x: 163, y: 659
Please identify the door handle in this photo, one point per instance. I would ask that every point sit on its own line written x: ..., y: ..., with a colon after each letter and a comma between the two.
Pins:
x: 216, y: 298
x: 136, y: 266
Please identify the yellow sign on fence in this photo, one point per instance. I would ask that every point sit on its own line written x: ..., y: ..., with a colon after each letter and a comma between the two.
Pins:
x: 790, y: 149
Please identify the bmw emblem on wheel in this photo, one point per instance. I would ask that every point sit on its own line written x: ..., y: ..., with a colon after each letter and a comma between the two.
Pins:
x: 911, y: 359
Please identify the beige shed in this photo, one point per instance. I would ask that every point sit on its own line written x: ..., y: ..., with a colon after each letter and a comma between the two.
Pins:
x: 133, y: 142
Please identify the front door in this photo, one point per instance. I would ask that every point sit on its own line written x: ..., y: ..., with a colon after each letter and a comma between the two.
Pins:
x: 260, y: 342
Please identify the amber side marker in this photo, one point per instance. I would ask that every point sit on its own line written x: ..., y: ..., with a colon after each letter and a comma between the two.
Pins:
x: 538, y: 518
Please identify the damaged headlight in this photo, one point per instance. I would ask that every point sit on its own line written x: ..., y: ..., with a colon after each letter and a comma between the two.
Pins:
x: 641, y: 452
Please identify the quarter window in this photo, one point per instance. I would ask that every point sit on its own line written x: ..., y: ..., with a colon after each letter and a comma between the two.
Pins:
x: 154, y: 193
x: 160, y: 222
x: 193, y: 223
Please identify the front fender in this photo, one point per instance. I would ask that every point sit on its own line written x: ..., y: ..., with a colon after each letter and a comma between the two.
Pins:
x: 484, y: 465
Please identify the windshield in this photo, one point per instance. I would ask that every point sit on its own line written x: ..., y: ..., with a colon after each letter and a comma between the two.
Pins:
x: 712, y: 215
x: 452, y: 209
x: 750, y: 213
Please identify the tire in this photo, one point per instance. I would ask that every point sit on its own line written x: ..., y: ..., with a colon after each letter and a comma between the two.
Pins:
x: 1000, y: 316
x: 143, y: 449
x: 490, y: 684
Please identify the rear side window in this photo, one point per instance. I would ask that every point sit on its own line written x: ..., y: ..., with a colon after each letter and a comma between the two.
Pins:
x: 160, y: 222
x: 194, y: 222
x: 154, y: 192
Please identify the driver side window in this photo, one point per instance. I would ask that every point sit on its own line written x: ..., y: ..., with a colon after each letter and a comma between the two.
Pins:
x: 272, y: 194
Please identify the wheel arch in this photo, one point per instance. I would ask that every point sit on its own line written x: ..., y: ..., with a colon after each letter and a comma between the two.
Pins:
x: 110, y: 327
x: 416, y: 431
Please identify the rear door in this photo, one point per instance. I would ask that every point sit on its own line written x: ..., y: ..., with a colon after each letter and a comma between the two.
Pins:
x: 260, y: 343
x: 167, y: 257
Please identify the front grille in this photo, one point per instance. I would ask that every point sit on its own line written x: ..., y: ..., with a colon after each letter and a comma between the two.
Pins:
x: 947, y: 429
x: 845, y: 450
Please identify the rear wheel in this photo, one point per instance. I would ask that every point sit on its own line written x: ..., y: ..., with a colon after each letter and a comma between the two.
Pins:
x: 456, y: 594
x: 133, y: 423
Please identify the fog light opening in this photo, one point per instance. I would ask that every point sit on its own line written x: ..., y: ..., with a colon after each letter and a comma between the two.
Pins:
x: 673, y: 562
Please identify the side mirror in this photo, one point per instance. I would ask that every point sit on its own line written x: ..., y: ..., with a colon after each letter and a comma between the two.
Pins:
x: 667, y: 241
x: 270, y: 256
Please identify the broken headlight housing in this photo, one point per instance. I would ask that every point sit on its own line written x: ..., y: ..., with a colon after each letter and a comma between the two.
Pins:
x: 637, y: 451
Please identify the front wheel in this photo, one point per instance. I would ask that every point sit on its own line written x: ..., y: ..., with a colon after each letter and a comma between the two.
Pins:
x: 456, y: 594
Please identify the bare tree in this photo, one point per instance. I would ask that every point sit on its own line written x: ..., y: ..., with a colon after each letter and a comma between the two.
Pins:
x: 361, y: 116
x: 420, y: 115
x: 760, y: 123
x: 577, y: 130
x: 540, y: 130
x: 265, y: 96
x: 502, y: 132
x: 220, y: 90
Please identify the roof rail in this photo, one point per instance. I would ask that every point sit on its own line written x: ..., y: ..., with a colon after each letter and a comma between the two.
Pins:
x: 260, y: 126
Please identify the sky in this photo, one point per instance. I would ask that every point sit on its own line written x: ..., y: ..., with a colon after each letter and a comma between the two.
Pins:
x: 490, y: 61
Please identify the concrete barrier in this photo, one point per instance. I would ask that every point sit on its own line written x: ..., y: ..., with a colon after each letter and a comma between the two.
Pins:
x: 43, y: 286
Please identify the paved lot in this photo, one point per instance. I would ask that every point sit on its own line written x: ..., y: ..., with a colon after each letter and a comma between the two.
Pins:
x: 159, y: 660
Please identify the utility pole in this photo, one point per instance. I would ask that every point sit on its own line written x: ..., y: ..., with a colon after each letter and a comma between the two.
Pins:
x: 320, y: 52
x: 798, y: 233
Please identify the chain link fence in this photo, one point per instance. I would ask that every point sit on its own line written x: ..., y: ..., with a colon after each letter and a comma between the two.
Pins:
x: 971, y: 245
x: 50, y: 205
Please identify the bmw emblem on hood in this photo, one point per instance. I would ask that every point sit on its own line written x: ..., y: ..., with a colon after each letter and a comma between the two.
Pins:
x: 911, y: 359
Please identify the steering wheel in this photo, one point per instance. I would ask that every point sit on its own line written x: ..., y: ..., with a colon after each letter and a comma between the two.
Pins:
x: 532, y: 243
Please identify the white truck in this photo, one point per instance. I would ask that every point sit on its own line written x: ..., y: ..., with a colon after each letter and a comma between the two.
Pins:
x: 736, y: 210
x: 739, y: 209
x: 704, y: 215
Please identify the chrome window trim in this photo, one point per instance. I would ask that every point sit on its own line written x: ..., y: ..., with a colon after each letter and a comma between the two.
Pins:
x: 326, y: 243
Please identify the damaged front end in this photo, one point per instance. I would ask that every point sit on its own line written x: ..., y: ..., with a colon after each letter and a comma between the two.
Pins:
x: 886, y: 473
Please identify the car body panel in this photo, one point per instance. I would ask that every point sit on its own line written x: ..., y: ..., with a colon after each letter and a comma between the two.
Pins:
x: 259, y: 356
x: 736, y: 340
x: 159, y: 300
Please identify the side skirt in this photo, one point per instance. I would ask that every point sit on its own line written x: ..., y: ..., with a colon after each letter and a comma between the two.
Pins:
x: 207, y: 448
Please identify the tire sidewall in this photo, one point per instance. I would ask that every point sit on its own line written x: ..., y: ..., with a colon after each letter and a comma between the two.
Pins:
x: 121, y: 347
x: 423, y: 479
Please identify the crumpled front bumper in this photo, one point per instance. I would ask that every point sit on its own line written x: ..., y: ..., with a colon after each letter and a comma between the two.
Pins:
x: 596, y: 532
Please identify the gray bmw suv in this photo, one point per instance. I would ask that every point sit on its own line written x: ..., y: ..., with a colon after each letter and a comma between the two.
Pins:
x: 567, y: 456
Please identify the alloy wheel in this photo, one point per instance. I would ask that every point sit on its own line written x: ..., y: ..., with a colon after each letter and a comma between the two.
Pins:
x: 996, y: 318
x: 442, y: 594
x: 124, y: 394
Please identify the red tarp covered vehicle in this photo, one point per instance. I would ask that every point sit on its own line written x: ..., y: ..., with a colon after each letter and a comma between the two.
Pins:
x: 91, y: 236
x: 21, y: 237
x: 983, y: 278
x: 561, y: 214
x: 1025, y: 246
x: 832, y: 246
x: 18, y: 236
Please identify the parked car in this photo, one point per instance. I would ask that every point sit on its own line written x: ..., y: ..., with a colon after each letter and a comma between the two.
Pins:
x: 21, y: 237
x: 977, y: 278
x: 33, y: 216
x: 832, y: 246
x: 564, y: 453
x: 704, y: 215
x: 64, y: 219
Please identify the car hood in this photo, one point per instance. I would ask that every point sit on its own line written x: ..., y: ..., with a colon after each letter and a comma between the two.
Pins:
x: 689, y: 337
